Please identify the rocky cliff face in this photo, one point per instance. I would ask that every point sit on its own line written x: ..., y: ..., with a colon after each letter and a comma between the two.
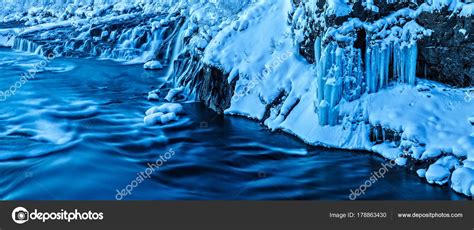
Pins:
x: 448, y: 54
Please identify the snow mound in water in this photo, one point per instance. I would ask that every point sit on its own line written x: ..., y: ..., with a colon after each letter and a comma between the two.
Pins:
x: 153, y: 65
x: 437, y: 174
x: 160, y: 118
x: 163, y: 114
x: 166, y: 108
x: 154, y: 95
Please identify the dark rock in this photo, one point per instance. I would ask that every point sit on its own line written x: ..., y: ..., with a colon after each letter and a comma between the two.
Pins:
x: 213, y: 88
x: 96, y: 32
x: 275, y: 103
x: 143, y: 38
x: 447, y: 55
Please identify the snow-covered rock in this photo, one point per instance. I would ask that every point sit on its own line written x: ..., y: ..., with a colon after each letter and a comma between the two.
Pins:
x: 421, y: 172
x: 166, y: 108
x: 153, y: 65
x: 163, y: 114
x: 437, y: 174
x: 160, y: 118
x: 401, y: 161
x: 154, y: 95
x: 449, y: 162
x: 462, y: 181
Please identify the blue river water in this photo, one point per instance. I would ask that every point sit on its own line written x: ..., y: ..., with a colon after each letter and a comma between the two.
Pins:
x: 74, y: 131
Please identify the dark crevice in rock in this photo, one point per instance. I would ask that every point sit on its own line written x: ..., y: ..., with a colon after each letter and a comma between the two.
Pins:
x: 275, y: 103
x: 213, y: 89
x: 379, y: 134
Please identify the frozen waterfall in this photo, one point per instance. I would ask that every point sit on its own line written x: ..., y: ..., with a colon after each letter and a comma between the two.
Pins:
x: 340, y: 74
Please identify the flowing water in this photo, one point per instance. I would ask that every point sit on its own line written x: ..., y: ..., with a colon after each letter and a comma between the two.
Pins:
x: 75, y: 131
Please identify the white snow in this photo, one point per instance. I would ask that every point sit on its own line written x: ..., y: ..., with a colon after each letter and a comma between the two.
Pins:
x: 163, y: 114
x: 152, y: 65
x: 160, y: 118
x: 449, y: 162
x: 462, y: 181
x: 154, y: 95
x: 166, y: 108
x: 437, y: 174
x: 401, y: 161
x: 338, y: 8
x: 421, y: 172
x: 173, y: 93
x: 7, y: 37
x: 467, y: 10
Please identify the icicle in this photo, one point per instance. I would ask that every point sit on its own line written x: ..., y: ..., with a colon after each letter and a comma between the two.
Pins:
x: 317, y: 49
x: 379, y: 59
x: 369, y: 66
x: 329, y: 80
x: 413, y: 53
x: 323, y: 110
x: 405, y: 63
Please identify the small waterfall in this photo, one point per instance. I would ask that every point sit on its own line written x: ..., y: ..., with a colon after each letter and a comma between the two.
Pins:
x: 177, y: 51
x: 28, y: 46
x: 170, y: 42
x: 127, y: 47
x: 136, y: 45
x: 153, y: 47
x: 121, y: 54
